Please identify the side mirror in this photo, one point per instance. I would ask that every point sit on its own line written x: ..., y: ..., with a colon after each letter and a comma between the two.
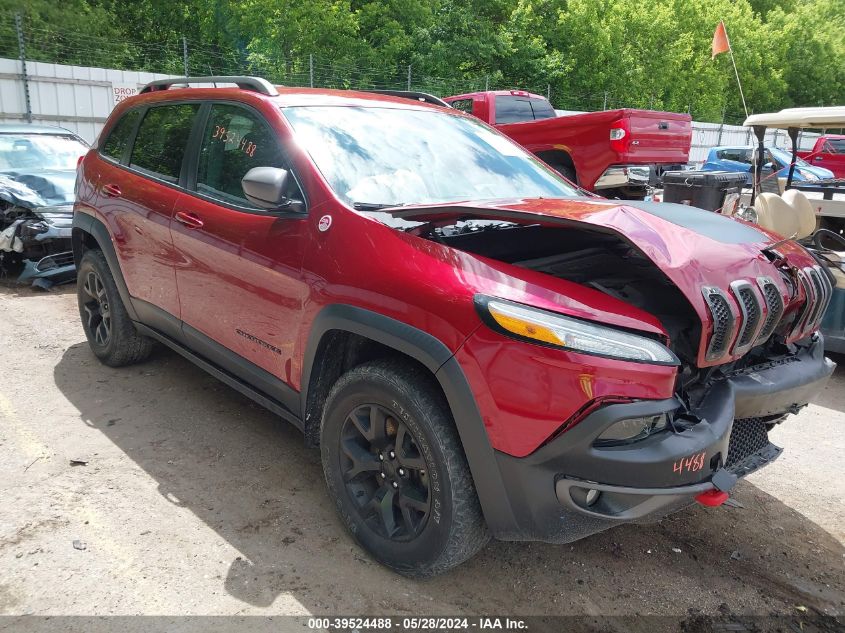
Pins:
x: 265, y: 187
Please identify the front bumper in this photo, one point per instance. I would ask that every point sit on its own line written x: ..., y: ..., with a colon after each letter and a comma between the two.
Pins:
x: 644, y: 481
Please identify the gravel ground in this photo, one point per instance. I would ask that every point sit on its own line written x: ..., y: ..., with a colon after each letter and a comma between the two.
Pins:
x: 193, y: 500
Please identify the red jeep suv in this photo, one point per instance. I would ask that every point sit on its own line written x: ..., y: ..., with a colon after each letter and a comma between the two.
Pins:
x: 476, y: 347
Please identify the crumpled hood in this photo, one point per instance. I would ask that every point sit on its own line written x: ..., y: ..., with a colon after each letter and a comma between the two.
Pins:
x: 693, y: 247
x: 38, y: 188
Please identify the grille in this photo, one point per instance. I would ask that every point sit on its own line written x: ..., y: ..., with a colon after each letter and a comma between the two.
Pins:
x: 809, y: 303
x: 748, y: 436
x: 57, y: 260
x: 823, y: 292
x: 751, y: 314
x: 774, y: 302
x: 723, y: 322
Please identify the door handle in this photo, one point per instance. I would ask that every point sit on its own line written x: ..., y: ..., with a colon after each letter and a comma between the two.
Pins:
x: 817, y: 158
x: 190, y: 220
x: 111, y: 191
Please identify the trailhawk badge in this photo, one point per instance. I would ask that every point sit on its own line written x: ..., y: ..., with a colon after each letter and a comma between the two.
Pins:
x: 324, y: 223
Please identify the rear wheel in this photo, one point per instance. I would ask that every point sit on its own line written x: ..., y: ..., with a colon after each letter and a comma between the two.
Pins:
x: 110, y: 332
x: 395, y: 468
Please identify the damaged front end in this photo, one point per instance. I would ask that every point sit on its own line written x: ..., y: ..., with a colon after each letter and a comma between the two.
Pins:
x: 36, y: 212
x: 605, y: 439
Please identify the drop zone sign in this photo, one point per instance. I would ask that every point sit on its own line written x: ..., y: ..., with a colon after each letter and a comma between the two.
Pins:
x: 122, y: 91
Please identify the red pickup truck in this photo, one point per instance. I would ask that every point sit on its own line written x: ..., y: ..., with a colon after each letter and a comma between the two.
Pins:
x: 617, y: 153
x: 828, y: 152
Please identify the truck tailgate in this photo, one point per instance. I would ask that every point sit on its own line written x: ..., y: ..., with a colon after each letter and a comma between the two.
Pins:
x: 655, y: 137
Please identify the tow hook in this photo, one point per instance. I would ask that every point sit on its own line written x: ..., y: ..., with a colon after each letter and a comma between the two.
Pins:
x: 712, y: 498
x: 722, y: 481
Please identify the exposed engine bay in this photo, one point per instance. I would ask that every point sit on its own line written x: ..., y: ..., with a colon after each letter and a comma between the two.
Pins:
x: 35, y: 228
x: 596, y: 260
x: 608, y: 263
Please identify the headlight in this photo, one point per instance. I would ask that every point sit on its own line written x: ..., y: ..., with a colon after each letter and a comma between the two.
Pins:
x: 568, y: 333
x: 631, y: 430
x: 809, y: 177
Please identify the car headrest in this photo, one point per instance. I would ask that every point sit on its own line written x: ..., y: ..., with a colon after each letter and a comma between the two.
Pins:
x: 775, y: 214
x: 804, y: 210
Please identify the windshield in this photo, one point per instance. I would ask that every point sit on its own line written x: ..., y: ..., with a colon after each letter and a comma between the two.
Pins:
x: 39, y: 151
x: 785, y: 158
x: 392, y: 157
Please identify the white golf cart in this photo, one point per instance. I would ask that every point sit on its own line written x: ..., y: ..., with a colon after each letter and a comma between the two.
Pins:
x: 812, y: 212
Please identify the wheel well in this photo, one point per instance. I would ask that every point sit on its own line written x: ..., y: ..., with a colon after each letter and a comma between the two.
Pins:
x: 82, y: 241
x: 338, y: 352
x: 557, y: 157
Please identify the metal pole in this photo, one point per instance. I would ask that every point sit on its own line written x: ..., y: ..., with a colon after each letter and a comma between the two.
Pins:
x: 738, y: 83
x: 757, y: 185
x: 548, y: 92
x: 486, y: 83
x: 604, y: 107
x: 185, y: 55
x: 24, y: 76
x: 311, y: 69
x: 721, y: 127
x: 409, y: 78
x: 793, y: 135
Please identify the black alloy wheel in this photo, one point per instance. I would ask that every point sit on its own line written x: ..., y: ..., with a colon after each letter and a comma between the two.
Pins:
x: 96, y: 307
x: 385, y: 472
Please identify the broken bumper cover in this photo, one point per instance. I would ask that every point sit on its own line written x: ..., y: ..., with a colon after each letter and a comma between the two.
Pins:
x: 648, y: 479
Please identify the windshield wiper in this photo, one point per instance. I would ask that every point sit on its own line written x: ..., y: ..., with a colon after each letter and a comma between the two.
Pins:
x: 373, y: 206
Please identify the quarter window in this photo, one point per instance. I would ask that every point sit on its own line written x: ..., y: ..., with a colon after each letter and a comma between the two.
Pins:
x: 161, y: 140
x: 234, y: 141
x: 120, y: 135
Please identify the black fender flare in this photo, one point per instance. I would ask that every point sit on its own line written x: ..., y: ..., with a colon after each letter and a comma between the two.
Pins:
x: 440, y: 360
x: 88, y: 224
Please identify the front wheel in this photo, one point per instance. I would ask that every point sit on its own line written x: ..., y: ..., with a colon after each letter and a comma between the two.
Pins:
x: 396, y: 470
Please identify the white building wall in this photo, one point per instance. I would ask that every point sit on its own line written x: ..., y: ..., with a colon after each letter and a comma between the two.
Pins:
x: 78, y: 98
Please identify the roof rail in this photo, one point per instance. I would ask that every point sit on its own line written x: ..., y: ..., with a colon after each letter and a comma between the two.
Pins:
x: 416, y: 96
x: 243, y: 82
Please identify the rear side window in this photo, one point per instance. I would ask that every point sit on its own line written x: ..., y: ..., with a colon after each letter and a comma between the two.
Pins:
x: 513, y: 110
x: 542, y: 109
x: 120, y: 135
x: 161, y: 140
x: 234, y: 141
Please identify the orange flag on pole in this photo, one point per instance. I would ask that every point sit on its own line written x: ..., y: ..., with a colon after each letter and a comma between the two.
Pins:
x: 720, y: 40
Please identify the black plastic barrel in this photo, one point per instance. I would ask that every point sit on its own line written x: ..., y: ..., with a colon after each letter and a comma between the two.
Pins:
x: 704, y: 189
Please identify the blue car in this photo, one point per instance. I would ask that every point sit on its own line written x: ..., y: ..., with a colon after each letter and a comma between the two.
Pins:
x: 738, y: 159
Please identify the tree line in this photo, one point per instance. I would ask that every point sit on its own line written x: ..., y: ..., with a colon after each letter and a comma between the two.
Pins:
x: 587, y: 54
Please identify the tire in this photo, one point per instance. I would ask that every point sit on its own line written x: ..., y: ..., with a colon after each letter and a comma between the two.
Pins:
x: 110, y: 332
x: 415, y: 421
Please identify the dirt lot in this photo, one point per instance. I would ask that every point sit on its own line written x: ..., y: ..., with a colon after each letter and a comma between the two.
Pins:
x: 193, y: 500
